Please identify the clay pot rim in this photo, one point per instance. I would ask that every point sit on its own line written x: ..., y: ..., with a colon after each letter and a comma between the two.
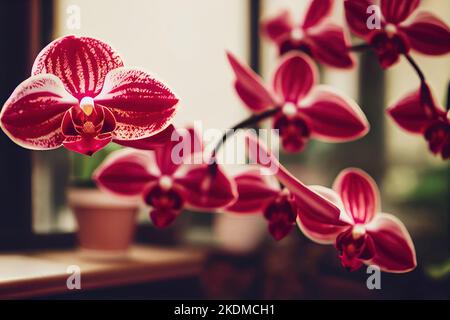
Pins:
x: 95, y: 198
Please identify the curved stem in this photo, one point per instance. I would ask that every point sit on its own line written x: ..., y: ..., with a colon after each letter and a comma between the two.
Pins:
x: 415, y: 66
x: 254, y: 119
x: 359, y: 47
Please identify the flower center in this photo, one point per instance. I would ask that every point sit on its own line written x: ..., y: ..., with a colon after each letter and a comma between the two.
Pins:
x: 297, y: 34
x: 358, y: 231
x: 165, y: 182
x: 390, y: 29
x: 87, y: 105
x: 289, y: 109
x: 89, y: 128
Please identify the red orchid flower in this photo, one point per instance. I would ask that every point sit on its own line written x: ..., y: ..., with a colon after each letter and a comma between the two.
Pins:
x: 81, y: 96
x: 258, y: 194
x: 361, y: 234
x: 294, y: 195
x: 304, y: 109
x: 419, y: 113
x: 316, y: 36
x: 164, y: 181
x: 347, y: 216
x: 424, y: 32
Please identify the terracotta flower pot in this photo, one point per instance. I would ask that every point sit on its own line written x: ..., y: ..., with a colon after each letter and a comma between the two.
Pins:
x: 106, y: 223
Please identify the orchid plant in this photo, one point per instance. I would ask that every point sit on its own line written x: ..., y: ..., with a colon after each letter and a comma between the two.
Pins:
x: 81, y: 96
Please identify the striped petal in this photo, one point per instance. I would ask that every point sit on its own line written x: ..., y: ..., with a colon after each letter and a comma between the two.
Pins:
x: 318, y: 10
x: 396, y: 11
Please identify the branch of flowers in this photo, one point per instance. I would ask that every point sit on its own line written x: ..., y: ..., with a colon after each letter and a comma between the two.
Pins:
x: 246, y: 123
x: 416, y: 67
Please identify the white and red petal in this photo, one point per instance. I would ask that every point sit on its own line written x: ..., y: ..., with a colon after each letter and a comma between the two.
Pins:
x: 317, y: 231
x: 356, y: 16
x: 416, y: 111
x: 307, y: 200
x: 428, y: 34
x: 81, y: 63
x: 32, y: 116
x: 125, y: 172
x: 318, y: 10
x: 254, y: 193
x: 295, y: 76
x: 250, y: 87
x: 329, y: 45
x: 333, y: 117
x: 393, y: 248
x: 278, y: 27
x: 396, y: 11
x: 150, y: 143
x: 359, y: 194
x: 205, y: 187
x: 142, y: 105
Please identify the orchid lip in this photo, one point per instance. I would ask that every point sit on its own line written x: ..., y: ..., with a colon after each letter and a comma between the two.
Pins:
x: 289, y: 109
x: 358, y: 231
x: 165, y: 182
x: 87, y: 105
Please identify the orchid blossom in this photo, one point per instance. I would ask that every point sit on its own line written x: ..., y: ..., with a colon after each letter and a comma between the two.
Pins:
x: 301, y: 109
x: 260, y: 194
x: 82, y: 97
x: 322, y: 40
x: 348, y: 216
x: 167, y: 178
x: 419, y: 113
x: 400, y: 30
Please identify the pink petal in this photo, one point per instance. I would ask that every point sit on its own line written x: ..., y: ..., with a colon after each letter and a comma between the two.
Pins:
x: 141, y: 105
x: 294, y: 77
x: 415, y: 112
x: 249, y: 86
x: 308, y: 201
x: 324, y: 233
x: 317, y: 11
x: 428, y: 34
x: 254, y: 193
x: 81, y: 63
x: 329, y: 45
x: 334, y: 117
x: 393, y: 248
x: 356, y: 16
x: 162, y: 218
x: 206, y: 188
x: 396, y: 11
x: 87, y: 145
x: 32, y: 116
x: 359, y: 194
x: 150, y: 143
x: 125, y: 172
x: 278, y: 27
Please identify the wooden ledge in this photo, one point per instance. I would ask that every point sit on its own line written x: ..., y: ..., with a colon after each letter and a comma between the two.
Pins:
x: 45, y: 273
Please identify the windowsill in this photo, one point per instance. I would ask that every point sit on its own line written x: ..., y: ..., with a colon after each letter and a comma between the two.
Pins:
x: 27, y: 275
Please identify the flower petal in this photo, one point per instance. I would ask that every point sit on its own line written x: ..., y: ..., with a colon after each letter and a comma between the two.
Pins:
x: 278, y: 27
x: 162, y: 218
x: 308, y: 201
x: 81, y: 63
x: 393, y: 248
x: 150, y: 143
x: 396, y: 11
x: 87, y: 145
x: 207, y: 189
x: 359, y: 194
x: 125, y: 172
x: 416, y: 111
x: 329, y: 45
x: 317, y: 231
x: 141, y: 105
x: 428, y: 34
x: 334, y: 117
x: 295, y: 76
x: 254, y: 193
x: 32, y: 116
x: 356, y: 16
x: 250, y: 87
x: 317, y: 11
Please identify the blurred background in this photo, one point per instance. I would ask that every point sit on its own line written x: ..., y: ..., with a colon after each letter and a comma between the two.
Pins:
x: 183, y: 43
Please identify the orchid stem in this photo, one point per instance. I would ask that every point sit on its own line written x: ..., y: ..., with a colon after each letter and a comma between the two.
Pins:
x: 359, y: 47
x: 252, y: 120
x: 415, y: 66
